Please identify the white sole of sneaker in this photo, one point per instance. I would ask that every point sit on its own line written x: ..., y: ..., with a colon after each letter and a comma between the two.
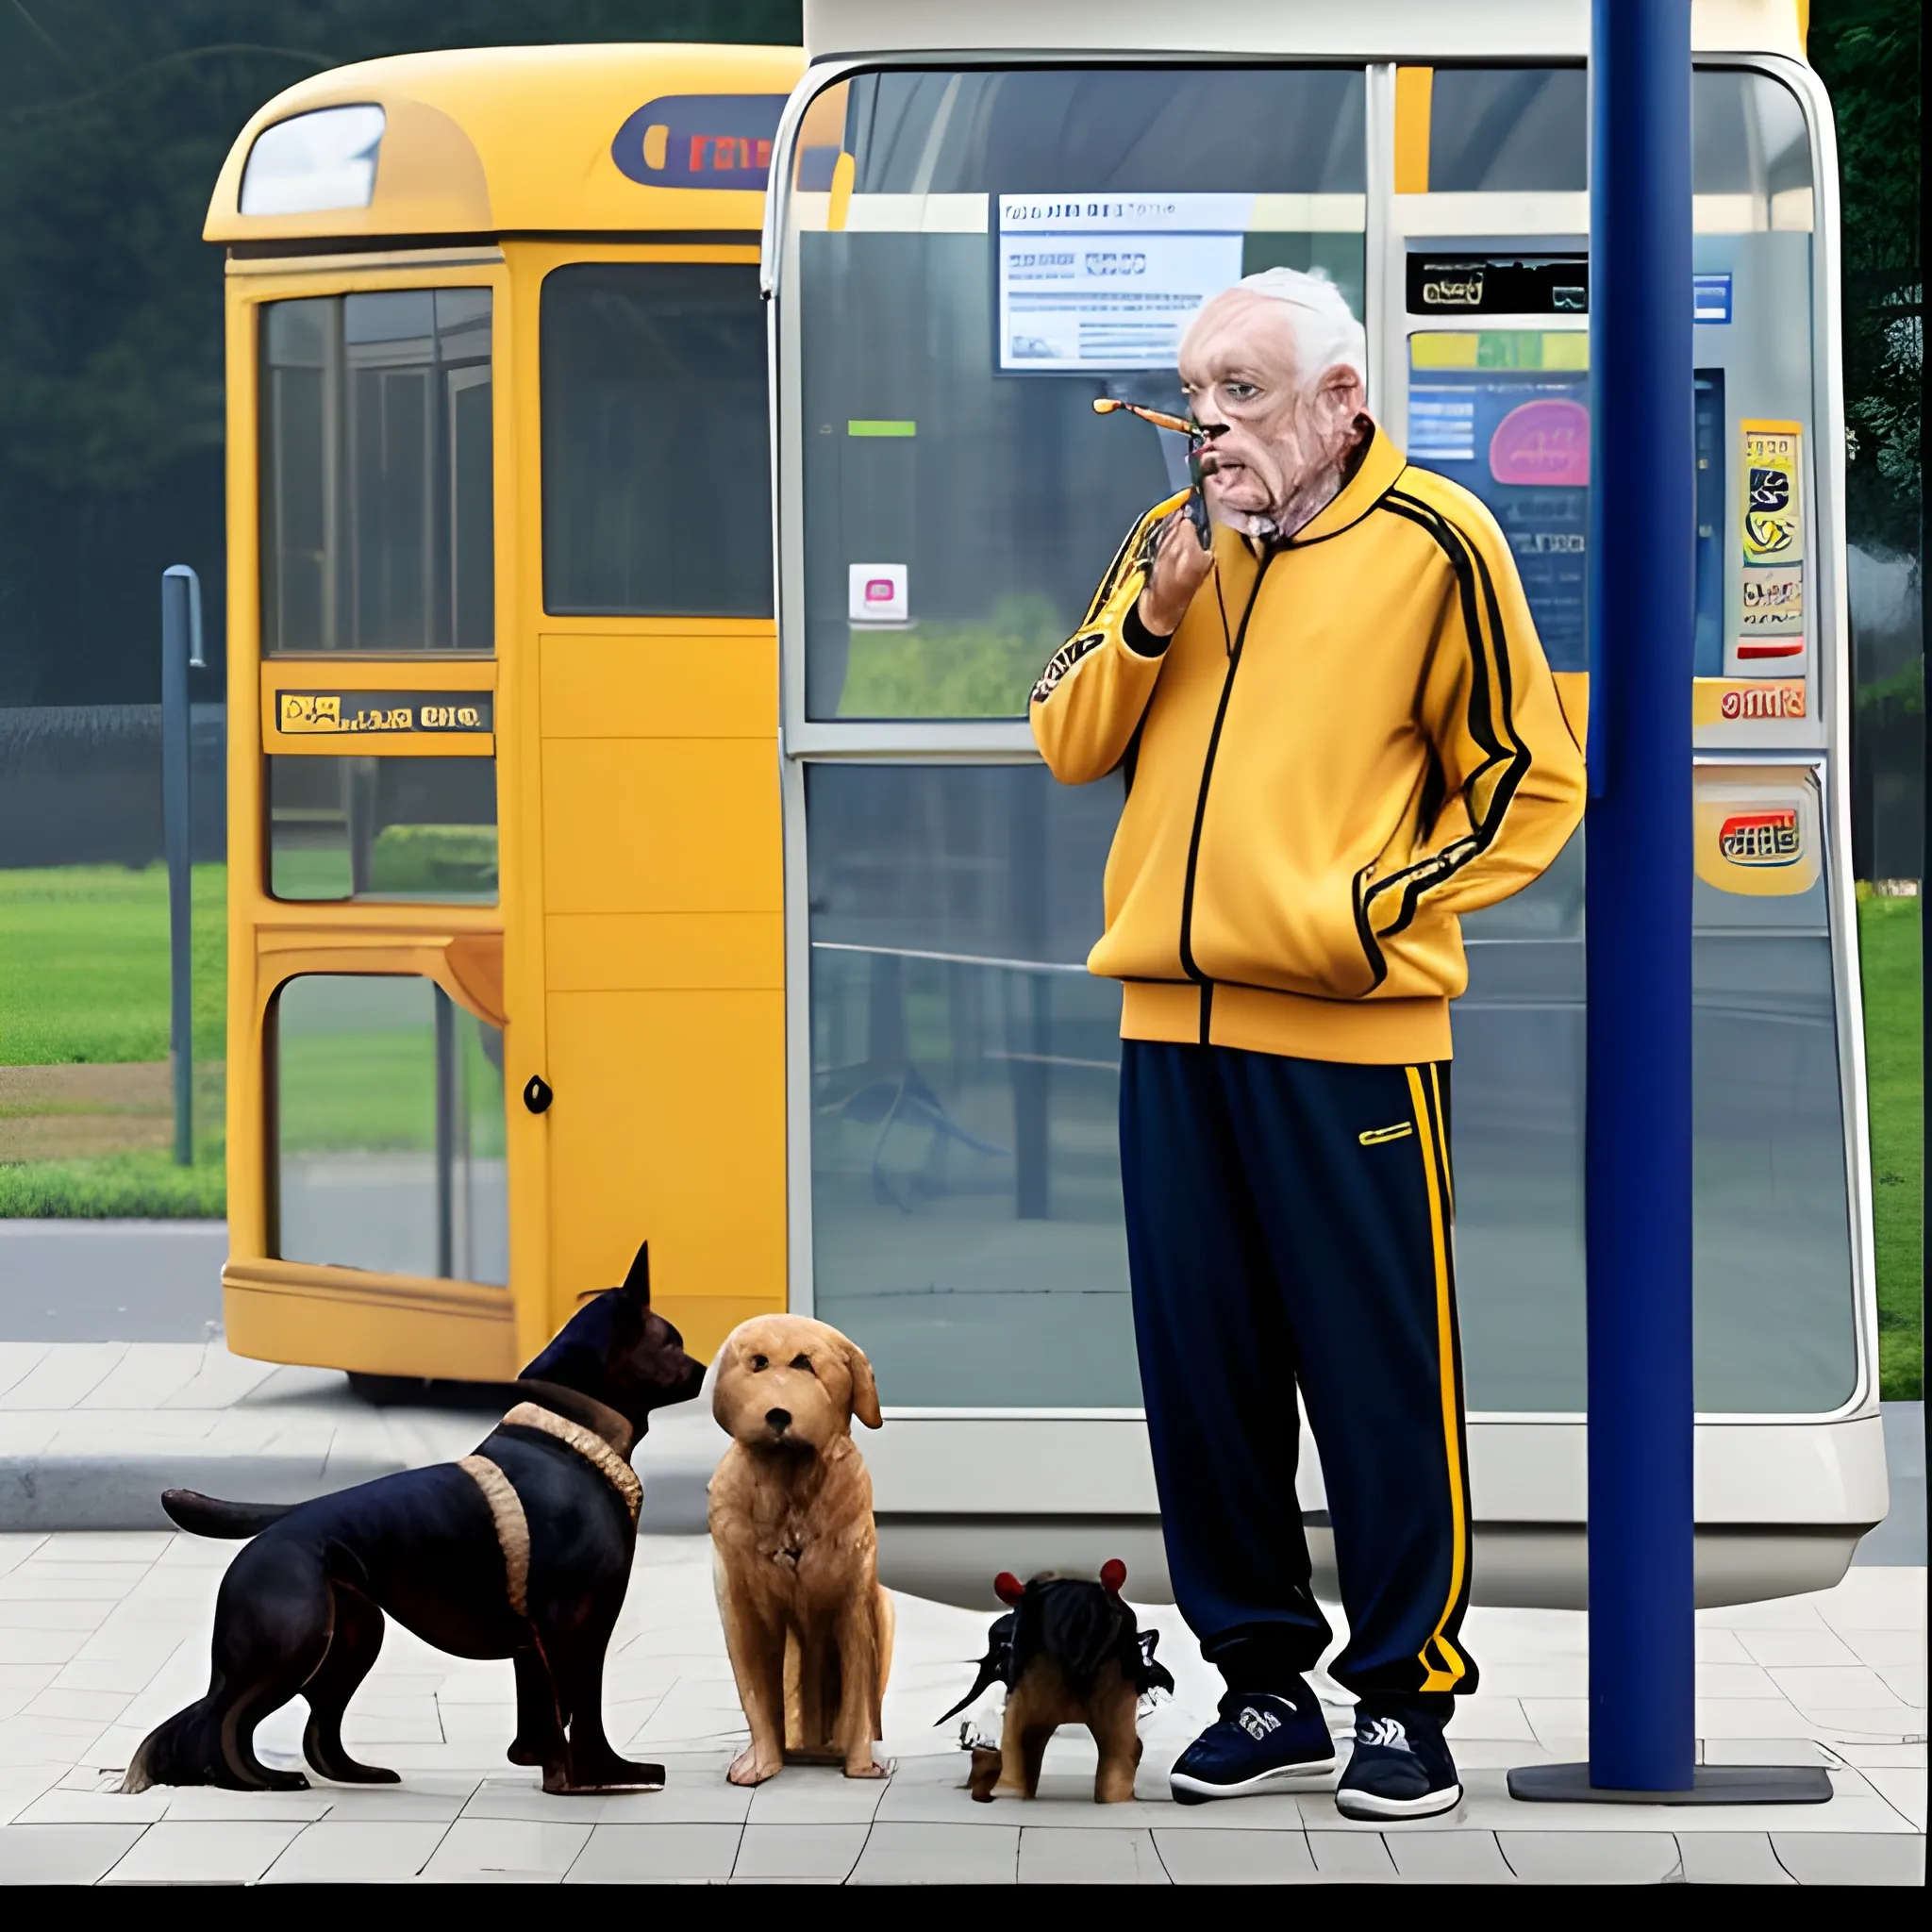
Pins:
x: 1366, y: 1807
x: 1291, y: 1777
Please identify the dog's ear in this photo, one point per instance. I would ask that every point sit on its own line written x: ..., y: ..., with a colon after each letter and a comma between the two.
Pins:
x: 637, y: 1284
x: 865, y: 1389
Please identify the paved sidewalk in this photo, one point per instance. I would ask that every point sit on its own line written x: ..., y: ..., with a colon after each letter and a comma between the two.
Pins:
x: 101, y: 1636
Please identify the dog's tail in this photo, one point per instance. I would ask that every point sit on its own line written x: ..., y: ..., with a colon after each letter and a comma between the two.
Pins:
x: 211, y: 1516
x: 179, y: 1751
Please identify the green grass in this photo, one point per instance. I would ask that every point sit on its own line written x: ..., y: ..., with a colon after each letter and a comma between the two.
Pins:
x: 146, y: 1185
x: 84, y: 977
x: 84, y: 965
x: 1889, y: 949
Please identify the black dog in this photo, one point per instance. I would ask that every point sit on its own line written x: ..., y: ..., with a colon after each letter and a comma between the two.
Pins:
x: 521, y: 1550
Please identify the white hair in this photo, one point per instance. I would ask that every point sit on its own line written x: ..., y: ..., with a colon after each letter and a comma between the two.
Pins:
x: 1326, y: 334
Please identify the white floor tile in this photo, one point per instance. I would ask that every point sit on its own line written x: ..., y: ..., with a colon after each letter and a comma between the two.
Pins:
x: 205, y: 1854
x: 1884, y: 1649
x: 1715, y: 1646
x: 1735, y: 1680
x: 101, y: 1805
x: 657, y: 1855
x: 899, y: 1854
x: 1050, y: 1855
x: 1906, y: 1681
x: 1446, y: 1858
x: 1591, y: 1857
x: 1877, y: 1596
x: 62, y: 1854
x: 1557, y: 1678
x: 1836, y: 1687
x: 1350, y: 1856
x: 1850, y: 1858
x: 1902, y: 1723
x: 1730, y: 1857
x: 1804, y: 1646
x: 476, y: 1849
x: 1209, y: 1855
x: 687, y: 1798
x: 809, y: 1795
x: 361, y: 1850
x: 792, y: 1854
x: 1905, y: 1790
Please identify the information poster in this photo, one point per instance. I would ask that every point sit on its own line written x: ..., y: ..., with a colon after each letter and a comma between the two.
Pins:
x: 1771, y: 620
x: 1107, y: 282
x: 1521, y: 442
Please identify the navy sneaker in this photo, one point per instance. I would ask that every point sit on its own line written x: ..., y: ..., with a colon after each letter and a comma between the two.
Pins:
x: 1264, y: 1741
x: 1401, y: 1769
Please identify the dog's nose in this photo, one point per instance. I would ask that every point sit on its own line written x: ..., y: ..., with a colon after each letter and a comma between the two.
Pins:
x: 779, y: 1419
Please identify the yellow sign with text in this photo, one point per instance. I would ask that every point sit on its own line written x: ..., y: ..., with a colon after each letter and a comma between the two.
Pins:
x: 1746, y: 700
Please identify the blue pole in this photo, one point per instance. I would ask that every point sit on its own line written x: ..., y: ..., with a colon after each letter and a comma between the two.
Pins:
x: 180, y: 648
x: 1642, y: 1686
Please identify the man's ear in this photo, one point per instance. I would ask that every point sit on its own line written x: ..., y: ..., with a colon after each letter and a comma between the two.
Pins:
x: 865, y: 1389
x: 637, y: 1284
x: 1340, y: 397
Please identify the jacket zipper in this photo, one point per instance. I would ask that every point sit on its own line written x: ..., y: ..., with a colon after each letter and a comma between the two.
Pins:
x: 1234, y: 664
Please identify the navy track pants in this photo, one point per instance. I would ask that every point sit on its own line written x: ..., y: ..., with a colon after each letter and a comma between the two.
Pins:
x: 1289, y: 1225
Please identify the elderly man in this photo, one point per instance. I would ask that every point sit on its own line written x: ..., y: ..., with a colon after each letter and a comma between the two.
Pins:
x: 1339, y: 732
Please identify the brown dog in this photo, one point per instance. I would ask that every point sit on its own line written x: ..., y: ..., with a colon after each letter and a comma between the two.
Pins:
x: 795, y: 1553
x: 1069, y: 1653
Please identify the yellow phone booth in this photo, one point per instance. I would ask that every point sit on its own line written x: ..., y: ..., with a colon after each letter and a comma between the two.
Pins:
x: 506, y: 920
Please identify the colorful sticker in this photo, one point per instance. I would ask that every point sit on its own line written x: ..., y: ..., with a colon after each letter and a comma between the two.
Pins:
x: 877, y: 594
x: 1756, y: 839
x: 1543, y: 442
x: 1771, y: 618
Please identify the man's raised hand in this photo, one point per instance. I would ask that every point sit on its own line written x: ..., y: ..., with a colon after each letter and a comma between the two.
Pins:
x: 1180, y: 566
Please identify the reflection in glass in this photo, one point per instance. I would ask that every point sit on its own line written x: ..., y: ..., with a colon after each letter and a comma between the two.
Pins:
x: 382, y: 829
x: 1001, y: 497
x: 389, y: 1128
x: 1527, y: 130
x: 657, y: 477
x: 1773, y: 1293
x: 1500, y: 129
x: 376, y: 522
x: 965, y: 1178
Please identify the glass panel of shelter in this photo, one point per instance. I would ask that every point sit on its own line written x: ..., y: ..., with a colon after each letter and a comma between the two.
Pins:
x: 377, y: 530
x: 419, y: 829
x: 388, y: 1103
x: 1775, y: 1329
x: 976, y: 485
x: 1002, y: 258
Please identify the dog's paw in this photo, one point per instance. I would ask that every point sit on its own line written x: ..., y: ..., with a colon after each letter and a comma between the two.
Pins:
x: 748, y: 1768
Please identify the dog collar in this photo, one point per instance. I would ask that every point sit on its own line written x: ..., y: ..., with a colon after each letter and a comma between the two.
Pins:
x: 589, y: 1444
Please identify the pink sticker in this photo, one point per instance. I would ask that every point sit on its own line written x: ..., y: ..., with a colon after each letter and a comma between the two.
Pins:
x: 1546, y: 442
x: 880, y: 590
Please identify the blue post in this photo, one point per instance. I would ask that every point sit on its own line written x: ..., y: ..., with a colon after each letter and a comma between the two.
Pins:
x: 180, y: 650
x: 1638, y: 833
x: 1636, y: 943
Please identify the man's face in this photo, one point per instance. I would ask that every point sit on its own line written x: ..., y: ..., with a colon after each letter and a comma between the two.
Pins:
x: 1238, y: 368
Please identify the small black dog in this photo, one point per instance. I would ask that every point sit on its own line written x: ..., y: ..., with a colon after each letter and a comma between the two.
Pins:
x: 521, y: 1550
x: 1069, y: 1652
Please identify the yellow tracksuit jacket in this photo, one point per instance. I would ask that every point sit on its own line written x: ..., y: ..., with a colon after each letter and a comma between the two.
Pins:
x: 1350, y: 739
